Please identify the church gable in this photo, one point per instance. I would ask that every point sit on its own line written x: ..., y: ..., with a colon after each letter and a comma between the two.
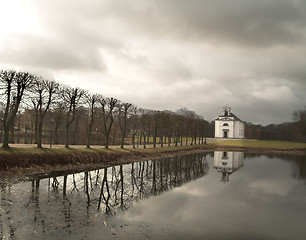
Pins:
x: 228, y: 115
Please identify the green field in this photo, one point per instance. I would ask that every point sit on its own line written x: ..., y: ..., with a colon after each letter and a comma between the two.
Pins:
x: 73, y: 149
x: 261, y: 144
x: 128, y: 148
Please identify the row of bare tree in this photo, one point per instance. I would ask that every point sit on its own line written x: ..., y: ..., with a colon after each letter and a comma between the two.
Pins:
x: 76, y: 114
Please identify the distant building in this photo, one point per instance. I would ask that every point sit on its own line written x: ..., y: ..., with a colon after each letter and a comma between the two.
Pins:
x: 229, y: 125
x: 227, y: 163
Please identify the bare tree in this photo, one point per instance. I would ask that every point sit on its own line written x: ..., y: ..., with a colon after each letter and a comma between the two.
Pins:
x: 144, y: 125
x: 134, y: 119
x: 72, y: 98
x: 107, y: 106
x: 168, y: 125
x: 162, y: 129
x: 58, y: 114
x: 115, y: 126
x: 156, y: 122
x: 14, y: 84
x: 35, y: 106
x: 43, y: 96
x: 80, y: 120
x: 91, y: 100
x: 123, y: 116
x: 300, y: 117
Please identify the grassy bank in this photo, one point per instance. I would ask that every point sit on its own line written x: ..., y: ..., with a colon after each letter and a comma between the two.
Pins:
x: 281, y: 145
x: 35, y: 160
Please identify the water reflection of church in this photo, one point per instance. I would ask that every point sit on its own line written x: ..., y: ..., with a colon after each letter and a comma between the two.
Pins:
x: 227, y: 162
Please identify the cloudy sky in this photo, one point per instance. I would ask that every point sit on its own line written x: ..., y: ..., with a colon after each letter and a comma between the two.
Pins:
x: 167, y: 54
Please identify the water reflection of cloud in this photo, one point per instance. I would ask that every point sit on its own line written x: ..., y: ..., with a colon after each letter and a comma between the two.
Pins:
x: 261, y: 201
x: 278, y: 187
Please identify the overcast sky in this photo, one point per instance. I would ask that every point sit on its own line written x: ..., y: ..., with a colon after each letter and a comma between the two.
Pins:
x: 167, y: 54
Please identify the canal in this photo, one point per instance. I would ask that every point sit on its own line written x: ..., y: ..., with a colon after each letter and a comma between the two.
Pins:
x: 217, y: 195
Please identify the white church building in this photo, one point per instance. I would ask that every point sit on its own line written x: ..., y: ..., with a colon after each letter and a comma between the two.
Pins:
x: 229, y: 125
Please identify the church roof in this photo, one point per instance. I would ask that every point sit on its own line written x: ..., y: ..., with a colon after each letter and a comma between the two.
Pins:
x: 231, y: 115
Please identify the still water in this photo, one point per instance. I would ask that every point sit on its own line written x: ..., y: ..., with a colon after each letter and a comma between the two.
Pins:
x: 220, y: 195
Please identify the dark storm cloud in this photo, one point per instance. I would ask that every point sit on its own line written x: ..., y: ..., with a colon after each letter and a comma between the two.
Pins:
x: 239, y: 22
x: 261, y: 23
x: 201, y: 54
x: 29, y: 50
x: 251, y: 23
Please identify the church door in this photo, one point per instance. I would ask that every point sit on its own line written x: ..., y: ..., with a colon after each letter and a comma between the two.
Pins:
x: 225, y: 134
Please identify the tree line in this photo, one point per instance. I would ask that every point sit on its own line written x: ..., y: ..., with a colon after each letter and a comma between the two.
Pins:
x: 51, y: 112
x: 290, y: 131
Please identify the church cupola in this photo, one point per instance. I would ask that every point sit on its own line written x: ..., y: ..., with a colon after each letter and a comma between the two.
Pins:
x: 226, y: 111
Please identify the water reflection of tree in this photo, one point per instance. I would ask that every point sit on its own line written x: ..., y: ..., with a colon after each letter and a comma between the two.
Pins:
x: 298, y: 163
x: 298, y: 167
x: 6, y: 227
x: 73, y: 200
x: 39, y: 218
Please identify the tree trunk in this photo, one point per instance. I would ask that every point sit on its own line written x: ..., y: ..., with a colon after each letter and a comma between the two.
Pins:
x: 75, y: 132
x: 123, y: 133
x: 5, y: 138
x: 36, y: 126
x: 133, y: 140
x: 12, y: 135
x: 56, y: 136
x: 39, y: 136
x: 67, y: 137
x: 154, y: 141
x: 122, y: 141
x: 89, y: 133
x: 144, y: 140
x: 115, y: 133
x: 161, y: 140
x: 68, y: 124
x: 106, y: 140
x: 140, y: 138
x: 148, y: 138
x: 88, y: 140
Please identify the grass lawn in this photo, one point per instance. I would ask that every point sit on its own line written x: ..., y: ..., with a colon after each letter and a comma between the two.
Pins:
x: 35, y: 150
x: 261, y: 144
x: 234, y: 143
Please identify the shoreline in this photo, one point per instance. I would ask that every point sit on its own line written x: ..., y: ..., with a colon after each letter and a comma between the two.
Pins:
x: 55, y: 163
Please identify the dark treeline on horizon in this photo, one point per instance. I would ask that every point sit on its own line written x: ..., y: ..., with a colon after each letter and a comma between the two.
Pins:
x: 289, y: 131
x: 36, y: 110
